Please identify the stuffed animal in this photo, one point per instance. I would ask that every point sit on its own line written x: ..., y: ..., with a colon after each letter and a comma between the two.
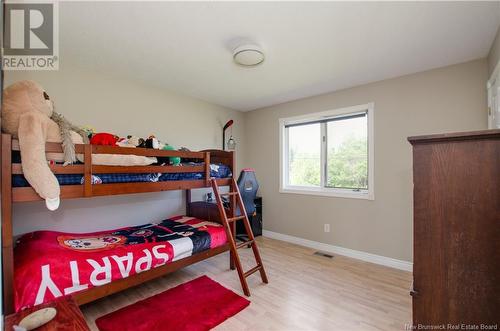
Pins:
x: 184, y: 149
x: 106, y: 139
x: 152, y: 142
x: 26, y: 115
x: 161, y: 145
x: 173, y: 160
x: 124, y: 142
x: 136, y: 141
x: 65, y: 127
x: 89, y: 131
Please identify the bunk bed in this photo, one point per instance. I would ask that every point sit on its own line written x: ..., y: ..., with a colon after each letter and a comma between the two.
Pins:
x: 172, y: 178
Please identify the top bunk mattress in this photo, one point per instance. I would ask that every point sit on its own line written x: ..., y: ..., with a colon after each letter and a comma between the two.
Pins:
x: 49, y: 264
x: 216, y: 171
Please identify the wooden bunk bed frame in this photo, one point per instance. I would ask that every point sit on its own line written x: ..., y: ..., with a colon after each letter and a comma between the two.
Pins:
x: 11, y: 195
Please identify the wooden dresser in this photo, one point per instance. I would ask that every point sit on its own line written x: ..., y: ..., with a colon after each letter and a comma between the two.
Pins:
x: 456, y: 236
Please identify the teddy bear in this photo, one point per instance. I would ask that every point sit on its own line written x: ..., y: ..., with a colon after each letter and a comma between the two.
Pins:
x: 26, y: 115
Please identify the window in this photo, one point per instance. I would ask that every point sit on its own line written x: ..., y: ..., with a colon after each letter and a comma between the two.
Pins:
x: 328, y: 153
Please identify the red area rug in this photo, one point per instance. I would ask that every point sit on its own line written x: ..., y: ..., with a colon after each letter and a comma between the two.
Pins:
x: 200, y: 304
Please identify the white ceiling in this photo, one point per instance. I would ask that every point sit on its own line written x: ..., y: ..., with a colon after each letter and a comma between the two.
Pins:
x: 311, y: 48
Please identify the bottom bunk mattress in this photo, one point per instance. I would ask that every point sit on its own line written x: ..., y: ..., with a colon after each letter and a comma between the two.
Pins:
x: 49, y: 264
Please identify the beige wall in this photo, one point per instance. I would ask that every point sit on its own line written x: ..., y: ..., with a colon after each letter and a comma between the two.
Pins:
x: 494, y: 55
x: 123, y: 107
x: 446, y: 99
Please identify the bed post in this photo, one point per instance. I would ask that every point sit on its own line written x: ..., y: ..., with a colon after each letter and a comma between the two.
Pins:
x: 207, y: 169
x: 232, y: 210
x: 7, y: 241
x: 188, y: 202
x: 233, y: 163
x: 87, y: 166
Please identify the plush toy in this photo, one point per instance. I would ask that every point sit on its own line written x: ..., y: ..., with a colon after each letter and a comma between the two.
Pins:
x: 106, y: 139
x: 135, y: 141
x: 173, y: 160
x: 89, y: 131
x: 161, y: 145
x: 66, y: 129
x: 26, y: 115
x: 153, y: 142
x: 123, y: 142
x: 184, y: 149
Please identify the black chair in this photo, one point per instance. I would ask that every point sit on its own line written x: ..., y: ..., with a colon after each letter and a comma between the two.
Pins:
x: 248, y: 186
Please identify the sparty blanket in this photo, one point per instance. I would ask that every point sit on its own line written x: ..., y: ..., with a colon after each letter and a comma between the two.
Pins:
x: 49, y: 264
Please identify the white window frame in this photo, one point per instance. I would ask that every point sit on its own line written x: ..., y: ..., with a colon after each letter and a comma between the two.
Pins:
x: 368, y: 194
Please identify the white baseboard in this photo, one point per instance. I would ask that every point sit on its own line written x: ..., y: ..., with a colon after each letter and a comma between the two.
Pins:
x: 327, y: 248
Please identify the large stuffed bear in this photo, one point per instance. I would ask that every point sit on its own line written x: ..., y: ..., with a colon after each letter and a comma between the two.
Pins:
x: 26, y: 115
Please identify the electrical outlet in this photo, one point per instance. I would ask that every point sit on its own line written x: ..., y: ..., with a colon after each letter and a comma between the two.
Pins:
x: 327, y: 228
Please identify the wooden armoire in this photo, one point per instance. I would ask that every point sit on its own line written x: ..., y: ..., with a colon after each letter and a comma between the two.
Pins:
x: 456, y: 233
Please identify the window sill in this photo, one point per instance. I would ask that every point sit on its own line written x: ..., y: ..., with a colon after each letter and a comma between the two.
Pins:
x: 330, y: 193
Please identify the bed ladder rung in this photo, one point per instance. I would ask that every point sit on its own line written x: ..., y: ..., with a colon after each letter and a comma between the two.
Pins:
x: 236, y: 202
x: 234, y: 219
x: 245, y: 243
x: 229, y: 194
x: 253, y: 270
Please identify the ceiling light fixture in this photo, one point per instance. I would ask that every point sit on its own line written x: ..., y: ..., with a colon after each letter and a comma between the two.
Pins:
x: 248, y: 55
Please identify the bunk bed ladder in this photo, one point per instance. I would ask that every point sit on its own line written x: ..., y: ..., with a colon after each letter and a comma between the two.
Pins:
x: 230, y: 226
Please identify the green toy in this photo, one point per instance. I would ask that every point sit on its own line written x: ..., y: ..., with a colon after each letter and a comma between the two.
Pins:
x: 173, y: 160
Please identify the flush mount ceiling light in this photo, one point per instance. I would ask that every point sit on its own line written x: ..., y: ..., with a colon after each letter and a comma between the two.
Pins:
x: 248, y: 55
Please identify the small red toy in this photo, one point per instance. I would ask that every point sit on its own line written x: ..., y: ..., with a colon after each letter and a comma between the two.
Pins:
x: 104, y: 139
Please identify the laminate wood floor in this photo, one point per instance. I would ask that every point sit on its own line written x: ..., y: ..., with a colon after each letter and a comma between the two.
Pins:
x: 305, y: 292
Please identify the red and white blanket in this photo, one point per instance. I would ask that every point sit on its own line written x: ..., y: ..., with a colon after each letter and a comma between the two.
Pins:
x: 52, y: 264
